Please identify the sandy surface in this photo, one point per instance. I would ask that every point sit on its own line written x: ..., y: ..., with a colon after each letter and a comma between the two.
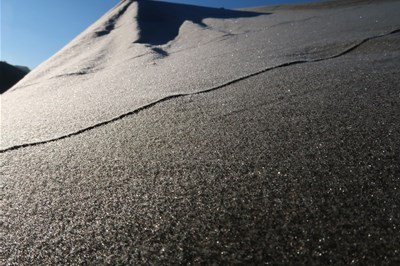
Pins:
x: 279, y: 146
x: 324, y: 4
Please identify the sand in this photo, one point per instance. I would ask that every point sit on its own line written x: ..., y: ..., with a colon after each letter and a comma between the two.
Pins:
x: 246, y: 138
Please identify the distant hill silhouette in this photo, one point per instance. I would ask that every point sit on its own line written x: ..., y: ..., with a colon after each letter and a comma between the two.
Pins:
x: 23, y: 68
x: 10, y: 75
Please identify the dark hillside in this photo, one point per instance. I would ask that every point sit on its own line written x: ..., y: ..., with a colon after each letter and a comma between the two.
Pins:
x: 9, y: 76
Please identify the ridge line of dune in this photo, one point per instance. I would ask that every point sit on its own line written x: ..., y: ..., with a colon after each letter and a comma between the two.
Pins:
x: 109, y: 26
x: 78, y: 132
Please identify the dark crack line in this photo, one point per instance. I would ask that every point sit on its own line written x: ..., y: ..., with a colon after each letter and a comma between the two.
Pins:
x: 167, y: 98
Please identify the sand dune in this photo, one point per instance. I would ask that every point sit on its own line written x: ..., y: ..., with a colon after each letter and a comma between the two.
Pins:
x: 170, y: 134
x: 81, y: 84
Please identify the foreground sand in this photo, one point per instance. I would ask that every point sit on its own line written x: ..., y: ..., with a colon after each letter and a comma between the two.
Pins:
x: 258, y: 139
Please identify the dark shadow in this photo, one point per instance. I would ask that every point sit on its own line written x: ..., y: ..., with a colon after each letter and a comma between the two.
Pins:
x: 160, y: 51
x: 159, y: 22
x: 79, y: 73
x: 10, y: 75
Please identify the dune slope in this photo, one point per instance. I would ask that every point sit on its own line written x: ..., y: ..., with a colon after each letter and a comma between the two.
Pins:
x: 241, y: 138
x: 98, y: 76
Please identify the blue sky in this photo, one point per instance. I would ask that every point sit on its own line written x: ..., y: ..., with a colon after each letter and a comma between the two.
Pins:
x: 33, y: 30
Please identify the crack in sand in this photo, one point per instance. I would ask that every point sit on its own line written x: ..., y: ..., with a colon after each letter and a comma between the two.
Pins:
x: 346, y: 51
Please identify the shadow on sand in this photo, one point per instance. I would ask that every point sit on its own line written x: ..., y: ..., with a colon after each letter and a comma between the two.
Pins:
x: 159, y: 22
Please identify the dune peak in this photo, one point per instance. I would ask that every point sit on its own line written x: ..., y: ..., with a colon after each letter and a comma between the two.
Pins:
x: 159, y: 22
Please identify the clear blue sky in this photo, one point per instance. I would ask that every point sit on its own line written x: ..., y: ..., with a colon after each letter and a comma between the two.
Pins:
x: 33, y: 30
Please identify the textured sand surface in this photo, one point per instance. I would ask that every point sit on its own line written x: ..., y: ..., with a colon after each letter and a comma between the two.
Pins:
x: 324, y: 4
x: 274, y: 143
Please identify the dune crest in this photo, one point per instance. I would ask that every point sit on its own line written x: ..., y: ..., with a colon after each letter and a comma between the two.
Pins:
x: 159, y: 22
x: 116, y: 35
